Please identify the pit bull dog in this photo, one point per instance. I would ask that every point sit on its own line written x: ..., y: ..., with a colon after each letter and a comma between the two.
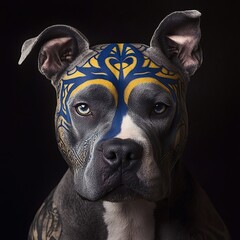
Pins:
x: 121, y: 125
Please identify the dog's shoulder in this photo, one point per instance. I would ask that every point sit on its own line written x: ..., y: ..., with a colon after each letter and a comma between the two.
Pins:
x: 46, y: 224
x: 205, y: 218
x: 195, y: 214
x: 190, y: 214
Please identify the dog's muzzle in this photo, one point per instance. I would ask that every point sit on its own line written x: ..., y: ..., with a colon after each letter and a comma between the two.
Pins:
x: 112, y: 172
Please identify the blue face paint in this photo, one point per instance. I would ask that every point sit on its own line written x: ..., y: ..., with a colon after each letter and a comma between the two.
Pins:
x: 118, y: 64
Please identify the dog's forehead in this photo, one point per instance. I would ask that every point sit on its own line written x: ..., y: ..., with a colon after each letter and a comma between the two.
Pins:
x: 120, y: 64
x: 119, y: 67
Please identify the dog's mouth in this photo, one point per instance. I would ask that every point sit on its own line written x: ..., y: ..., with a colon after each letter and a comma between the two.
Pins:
x: 117, y: 194
x: 116, y: 172
x: 121, y: 193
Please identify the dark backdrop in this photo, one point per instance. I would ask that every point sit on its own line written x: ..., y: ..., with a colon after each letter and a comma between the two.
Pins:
x: 30, y: 162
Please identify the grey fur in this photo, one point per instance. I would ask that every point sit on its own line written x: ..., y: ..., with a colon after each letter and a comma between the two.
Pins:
x: 141, y: 163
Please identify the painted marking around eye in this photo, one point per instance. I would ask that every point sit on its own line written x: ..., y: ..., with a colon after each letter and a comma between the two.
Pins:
x: 102, y: 82
x: 119, y: 68
x: 140, y: 81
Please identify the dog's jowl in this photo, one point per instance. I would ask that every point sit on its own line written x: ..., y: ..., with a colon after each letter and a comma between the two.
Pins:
x: 121, y: 125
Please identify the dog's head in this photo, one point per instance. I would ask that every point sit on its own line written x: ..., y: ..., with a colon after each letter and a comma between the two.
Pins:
x: 121, y: 120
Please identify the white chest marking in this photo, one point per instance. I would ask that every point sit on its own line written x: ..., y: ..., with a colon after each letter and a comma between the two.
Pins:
x: 130, y: 220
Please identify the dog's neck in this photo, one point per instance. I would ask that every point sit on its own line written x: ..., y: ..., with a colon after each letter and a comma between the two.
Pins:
x: 136, y: 219
x: 130, y: 220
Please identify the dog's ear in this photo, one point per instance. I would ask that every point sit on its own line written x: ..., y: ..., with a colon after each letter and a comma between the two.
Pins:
x: 60, y: 46
x: 178, y: 36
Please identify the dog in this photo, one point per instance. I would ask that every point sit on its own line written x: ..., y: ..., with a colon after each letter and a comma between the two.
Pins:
x: 121, y: 125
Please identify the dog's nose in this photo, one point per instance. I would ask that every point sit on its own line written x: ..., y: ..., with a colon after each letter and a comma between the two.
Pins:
x: 123, y: 152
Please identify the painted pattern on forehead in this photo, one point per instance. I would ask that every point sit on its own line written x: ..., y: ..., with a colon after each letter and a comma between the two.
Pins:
x: 119, y: 68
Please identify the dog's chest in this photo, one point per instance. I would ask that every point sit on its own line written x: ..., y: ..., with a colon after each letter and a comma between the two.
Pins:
x: 130, y: 220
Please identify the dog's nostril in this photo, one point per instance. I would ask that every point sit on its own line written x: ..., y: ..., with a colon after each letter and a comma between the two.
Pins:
x: 111, y: 155
x: 131, y: 156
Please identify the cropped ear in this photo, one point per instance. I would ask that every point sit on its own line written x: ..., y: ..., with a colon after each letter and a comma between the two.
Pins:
x: 178, y: 36
x: 60, y: 46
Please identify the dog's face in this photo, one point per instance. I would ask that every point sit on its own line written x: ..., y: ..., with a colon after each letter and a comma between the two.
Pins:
x: 118, y: 122
x: 121, y: 120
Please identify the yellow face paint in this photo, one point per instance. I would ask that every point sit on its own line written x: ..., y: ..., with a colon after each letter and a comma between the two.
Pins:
x: 119, y: 68
x: 139, y: 81
x: 102, y: 82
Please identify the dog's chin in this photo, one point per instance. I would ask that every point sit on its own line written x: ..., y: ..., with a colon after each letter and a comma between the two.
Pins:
x: 122, y: 193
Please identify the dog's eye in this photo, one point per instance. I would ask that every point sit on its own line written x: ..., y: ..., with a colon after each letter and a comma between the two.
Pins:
x: 160, y: 108
x: 83, y: 109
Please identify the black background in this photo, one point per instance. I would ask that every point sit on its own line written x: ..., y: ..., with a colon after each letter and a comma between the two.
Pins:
x: 30, y: 162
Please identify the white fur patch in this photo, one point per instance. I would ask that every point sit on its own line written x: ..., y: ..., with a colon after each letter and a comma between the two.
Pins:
x: 130, y: 130
x: 130, y: 220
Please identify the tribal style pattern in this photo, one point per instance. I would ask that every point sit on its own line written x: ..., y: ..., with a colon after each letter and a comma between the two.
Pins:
x: 119, y: 68
x: 46, y: 224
